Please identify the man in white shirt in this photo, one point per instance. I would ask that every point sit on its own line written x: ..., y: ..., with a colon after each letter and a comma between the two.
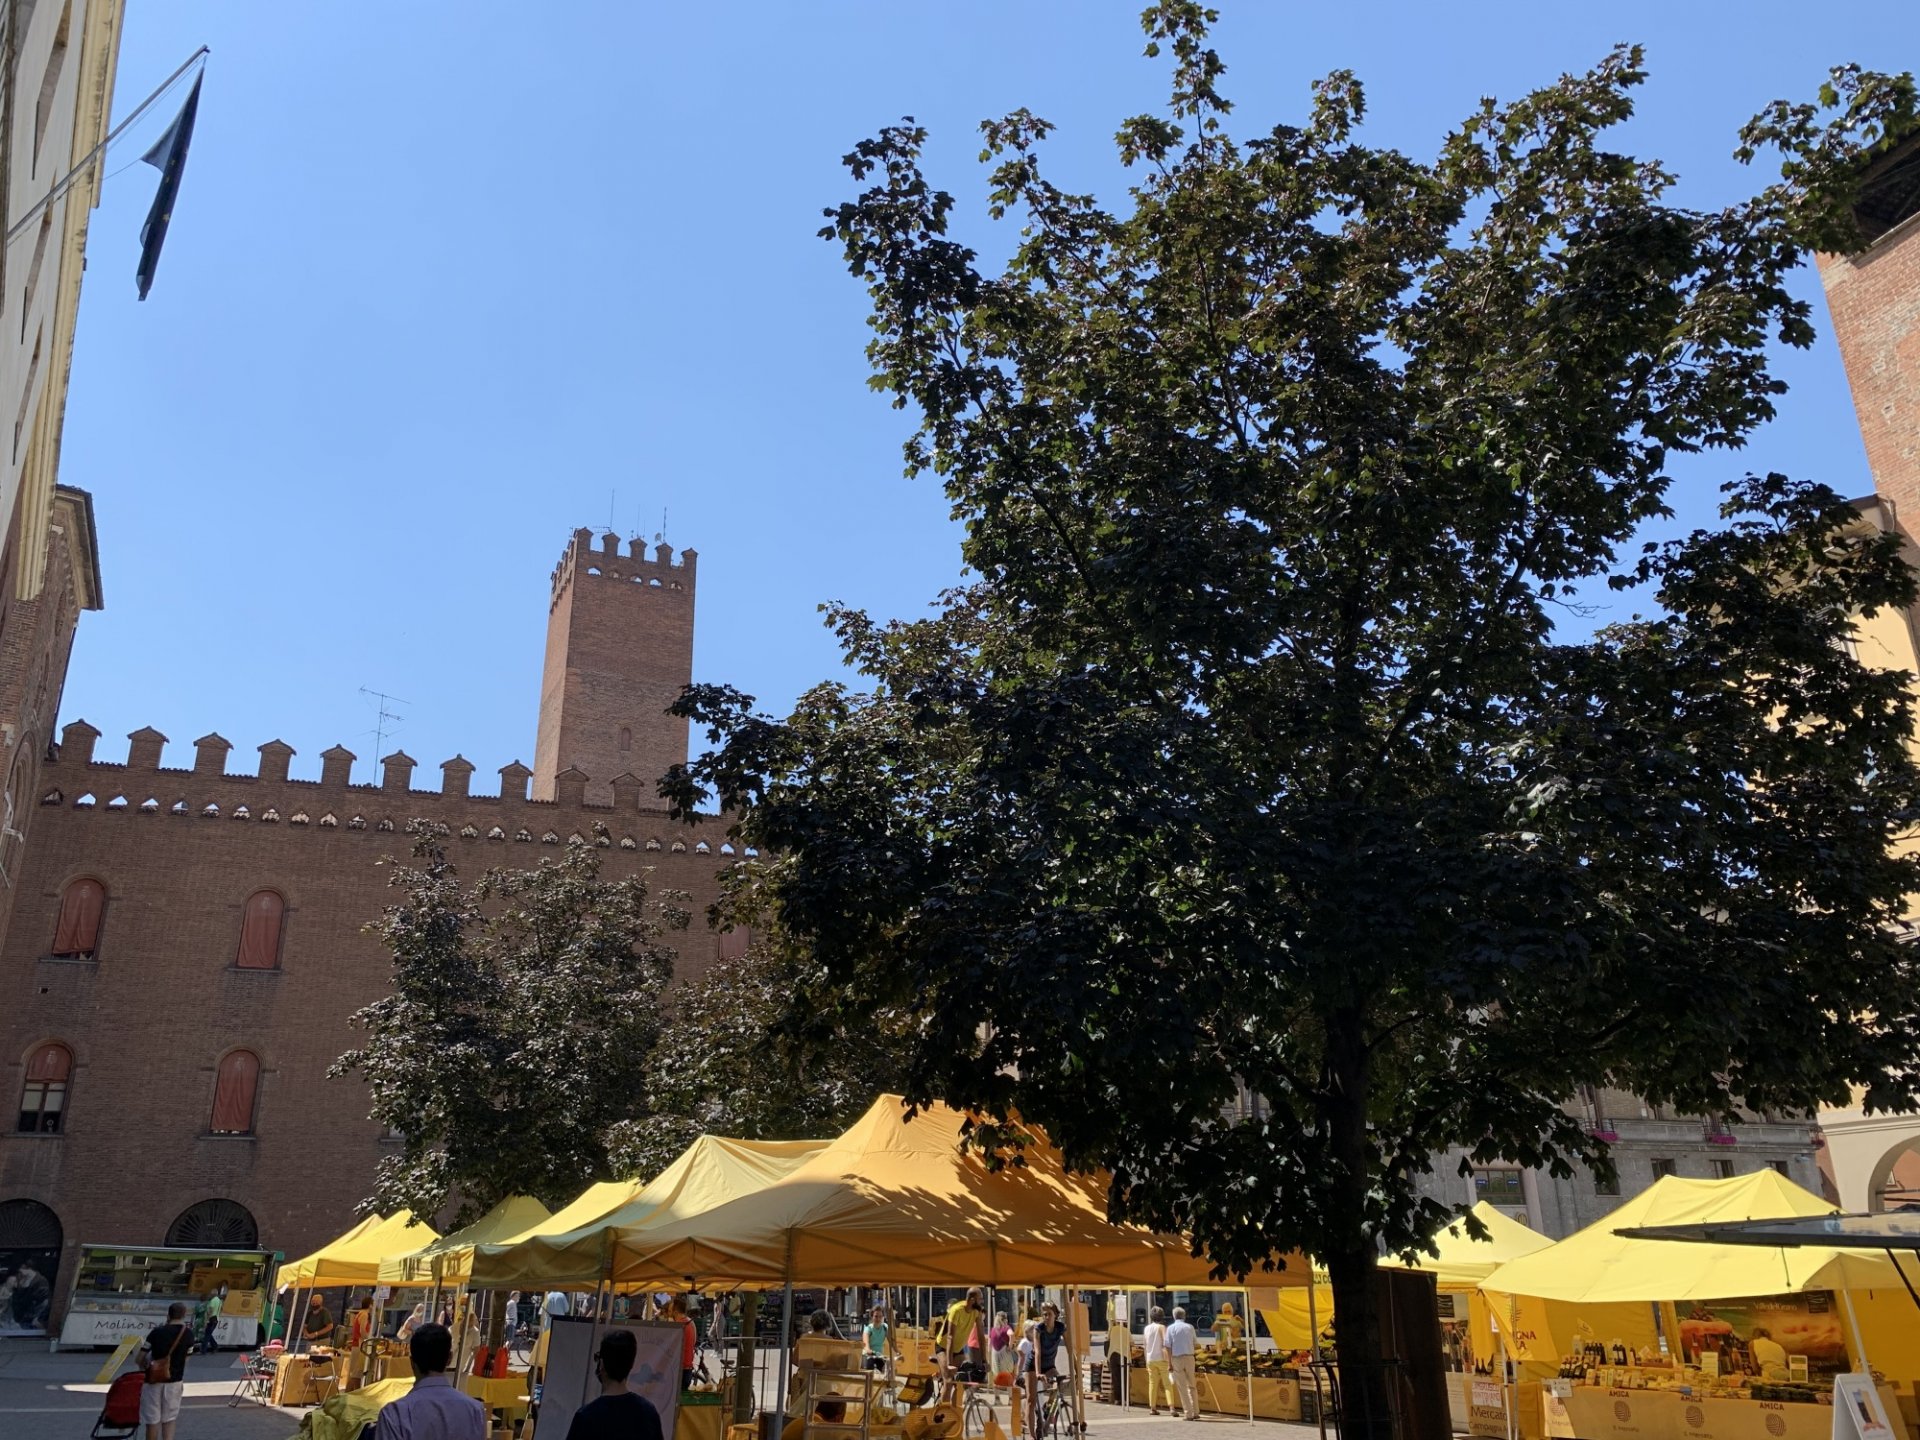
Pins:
x: 1153, y: 1342
x: 434, y: 1409
x: 1182, y: 1341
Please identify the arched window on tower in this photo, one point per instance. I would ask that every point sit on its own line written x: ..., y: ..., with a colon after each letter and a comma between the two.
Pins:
x: 43, y: 1097
x: 261, y: 921
x: 626, y: 739
x: 234, y: 1090
x: 82, y: 907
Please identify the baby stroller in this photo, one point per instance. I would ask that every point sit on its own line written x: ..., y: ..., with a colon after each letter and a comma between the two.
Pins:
x: 121, y: 1414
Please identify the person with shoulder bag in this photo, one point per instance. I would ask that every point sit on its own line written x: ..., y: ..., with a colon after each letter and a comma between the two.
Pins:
x: 164, y: 1354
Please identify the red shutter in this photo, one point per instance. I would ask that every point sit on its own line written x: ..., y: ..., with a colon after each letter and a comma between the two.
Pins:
x: 49, y: 1063
x: 233, y: 1094
x: 260, y: 932
x: 78, y: 932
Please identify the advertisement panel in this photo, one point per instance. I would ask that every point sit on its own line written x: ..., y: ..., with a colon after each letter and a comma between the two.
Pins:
x: 1762, y: 1336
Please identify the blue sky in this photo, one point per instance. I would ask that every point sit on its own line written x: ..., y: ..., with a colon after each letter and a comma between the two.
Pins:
x: 446, y: 281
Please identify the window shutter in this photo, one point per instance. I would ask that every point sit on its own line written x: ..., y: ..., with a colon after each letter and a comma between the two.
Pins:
x: 260, y: 931
x: 50, y: 1063
x: 78, y: 932
x: 233, y: 1094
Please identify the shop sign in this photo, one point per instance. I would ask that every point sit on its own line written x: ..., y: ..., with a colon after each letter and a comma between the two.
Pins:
x: 1486, y: 1406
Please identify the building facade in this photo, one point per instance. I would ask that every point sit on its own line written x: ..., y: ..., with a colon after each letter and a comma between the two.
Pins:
x: 1873, y: 298
x: 187, y: 940
x: 57, y: 60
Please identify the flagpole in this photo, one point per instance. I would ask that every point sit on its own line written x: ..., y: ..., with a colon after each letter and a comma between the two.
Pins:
x: 65, y: 183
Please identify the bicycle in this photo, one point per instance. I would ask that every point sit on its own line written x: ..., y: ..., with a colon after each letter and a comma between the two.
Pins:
x: 1059, y: 1413
x: 976, y: 1408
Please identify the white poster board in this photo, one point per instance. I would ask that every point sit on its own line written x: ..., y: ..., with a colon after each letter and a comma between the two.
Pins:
x: 1857, y: 1411
x: 569, y: 1381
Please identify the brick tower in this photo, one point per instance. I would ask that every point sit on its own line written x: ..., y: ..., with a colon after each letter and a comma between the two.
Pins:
x: 619, y: 651
x: 1874, y: 297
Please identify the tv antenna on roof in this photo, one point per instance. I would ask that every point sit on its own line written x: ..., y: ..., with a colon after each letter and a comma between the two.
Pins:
x: 386, y: 723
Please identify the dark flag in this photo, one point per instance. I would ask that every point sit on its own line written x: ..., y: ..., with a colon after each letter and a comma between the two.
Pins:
x: 169, y: 157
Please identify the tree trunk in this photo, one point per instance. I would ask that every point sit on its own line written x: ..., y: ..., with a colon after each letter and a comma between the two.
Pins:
x: 496, y: 1320
x: 1366, y: 1390
x: 743, y: 1396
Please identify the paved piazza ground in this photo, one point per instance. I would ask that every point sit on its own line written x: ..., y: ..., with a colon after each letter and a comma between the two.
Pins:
x: 53, y: 1397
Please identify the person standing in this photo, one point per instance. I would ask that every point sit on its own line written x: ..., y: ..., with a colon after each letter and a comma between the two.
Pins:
x: 618, y: 1413
x: 216, y: 1302
x: 689, y: 1337
x: 1182, y: 1341
x: 317, y: 1329
x: 1153, y: 1343
x: 164, y: 1353
x: 1228, y: 1328
x: 1119, y: 1350
x: 1000, y: 1347
x: 434, y: 1409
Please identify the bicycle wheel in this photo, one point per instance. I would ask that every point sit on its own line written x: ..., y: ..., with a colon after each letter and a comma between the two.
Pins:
x: 975, y: 1414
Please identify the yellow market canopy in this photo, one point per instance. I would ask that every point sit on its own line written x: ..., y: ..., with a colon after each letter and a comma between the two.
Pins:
x: 1595, y: 1266
x: 899, y: 1202
x: 569, y: 1249
x: 447, y: 1259
x: 354, y: 1258
x: 1463, y: 1262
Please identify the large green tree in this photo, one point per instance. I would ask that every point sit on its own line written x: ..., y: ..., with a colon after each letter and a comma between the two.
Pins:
x: 519, y: 1030
x: 730, y: 1062
x: 1254, y: 755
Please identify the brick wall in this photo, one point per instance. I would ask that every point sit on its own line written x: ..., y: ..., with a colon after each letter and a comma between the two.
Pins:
x: 619, y: 651
x: 1874, y: 299
x: 150, y: 1017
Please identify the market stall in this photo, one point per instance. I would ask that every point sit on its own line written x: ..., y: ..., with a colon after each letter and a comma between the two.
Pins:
x: 1299, y: 1319
x: 1657, y: 1340
x: 354, y: 1258
x: 902, y: 1202
x: 898, y: 1201
x: 565, y: 1251
x: 447, y: 1260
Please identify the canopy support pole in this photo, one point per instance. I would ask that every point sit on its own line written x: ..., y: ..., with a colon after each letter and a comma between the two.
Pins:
x: 1246, y: 1320
x: 781, y: 1381
x: 1864, y: 1366
x: 1313, y: 1355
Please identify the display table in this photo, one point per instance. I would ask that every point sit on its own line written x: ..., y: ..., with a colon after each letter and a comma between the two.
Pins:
x: 1272, y: 1399
x: 508, y: 1394
x: 1593, y: 1413
x: 700, y: 1422
x: 302, y: 1380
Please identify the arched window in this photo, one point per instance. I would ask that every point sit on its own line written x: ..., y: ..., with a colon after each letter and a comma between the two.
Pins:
x: 214, y: 1225
x: 77, y: 936
x: 233, y: 1093
x: 43, y: 1098
x: 261, y: 920
x: 626, y: 738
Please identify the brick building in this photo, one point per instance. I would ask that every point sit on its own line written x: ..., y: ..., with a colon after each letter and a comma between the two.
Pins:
x: 1873, y: 297
x: 186, y: 941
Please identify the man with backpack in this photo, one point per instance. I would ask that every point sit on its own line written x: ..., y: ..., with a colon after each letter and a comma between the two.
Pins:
x: 164, y: 1354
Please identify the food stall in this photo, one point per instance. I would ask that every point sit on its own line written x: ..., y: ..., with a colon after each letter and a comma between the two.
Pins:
x: 121, y: 1290
x: 1659, y: 1341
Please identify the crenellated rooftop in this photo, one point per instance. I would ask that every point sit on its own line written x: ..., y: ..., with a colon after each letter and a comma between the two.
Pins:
x: 658, y: 572
x: 75, y: 776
